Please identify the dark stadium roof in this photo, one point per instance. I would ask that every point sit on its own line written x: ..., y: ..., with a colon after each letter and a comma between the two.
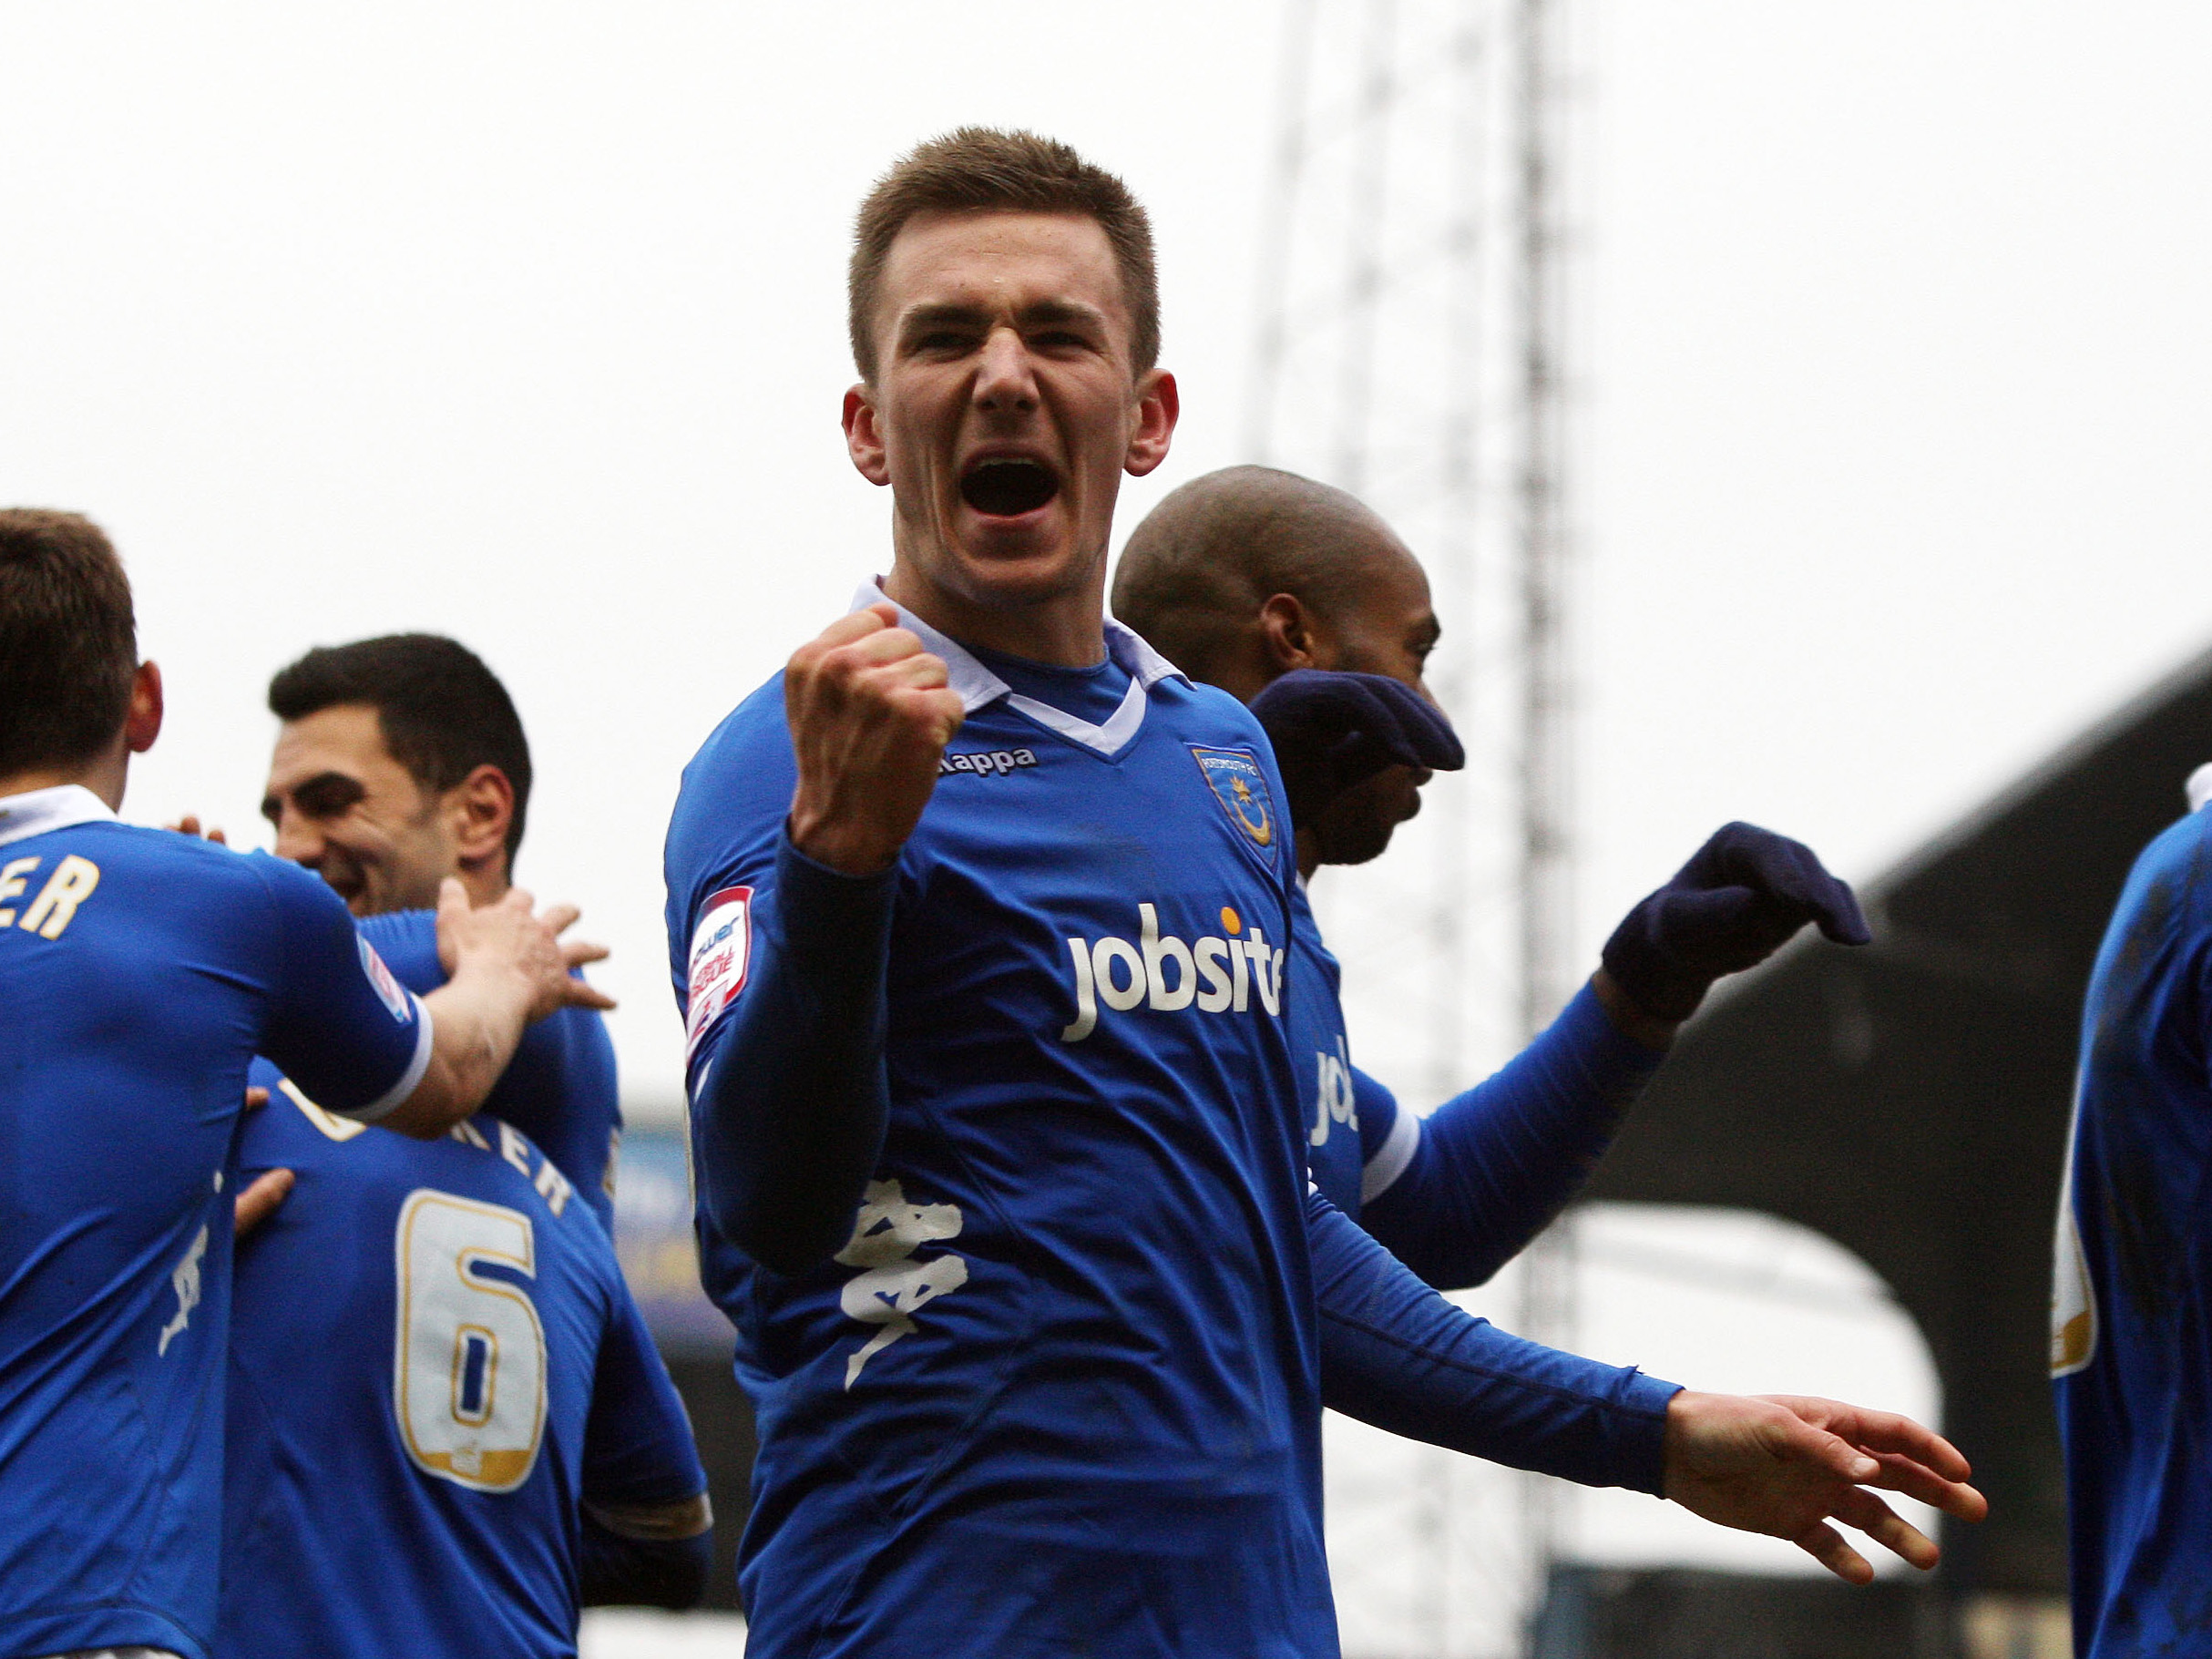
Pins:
x: 1911, y: 1099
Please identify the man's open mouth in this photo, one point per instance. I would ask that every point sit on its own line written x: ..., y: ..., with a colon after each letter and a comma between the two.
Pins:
x: 1007, y: 487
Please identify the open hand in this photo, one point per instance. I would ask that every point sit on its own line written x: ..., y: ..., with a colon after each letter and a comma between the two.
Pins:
x: 509, y: 936
x: 1787, y: 1465
x: 870, y: 714
x: 1739, y: 899
x: 189, y: 826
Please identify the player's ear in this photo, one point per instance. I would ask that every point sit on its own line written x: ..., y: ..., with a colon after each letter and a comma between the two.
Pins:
x: 1159, y: 405
x: 143, y: 723
x: 864, y: 436
x: 1287, y: 631
x: 483, y: 809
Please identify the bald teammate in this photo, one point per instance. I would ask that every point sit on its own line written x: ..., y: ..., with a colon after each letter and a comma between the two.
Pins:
x: 1298, y: 600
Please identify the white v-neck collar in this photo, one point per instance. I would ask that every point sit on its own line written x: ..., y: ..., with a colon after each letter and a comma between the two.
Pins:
x: 37, y: 812
x: 978, y: 686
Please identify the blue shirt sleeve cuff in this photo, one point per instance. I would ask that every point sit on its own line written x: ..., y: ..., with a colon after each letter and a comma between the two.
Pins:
x: 1643, y: 1430
x: 821, y: 911
x: 1586, y: 1025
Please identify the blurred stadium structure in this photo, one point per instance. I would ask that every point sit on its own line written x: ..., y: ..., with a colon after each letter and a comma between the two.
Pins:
x: 1910, y: 1102
x: 1411, y: 348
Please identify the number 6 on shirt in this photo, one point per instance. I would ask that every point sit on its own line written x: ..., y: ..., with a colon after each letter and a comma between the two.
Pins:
x: 469, y: 1370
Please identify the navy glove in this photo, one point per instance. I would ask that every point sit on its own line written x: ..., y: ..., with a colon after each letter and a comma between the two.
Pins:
x: 1332, y: 730
x: 1733, y: 906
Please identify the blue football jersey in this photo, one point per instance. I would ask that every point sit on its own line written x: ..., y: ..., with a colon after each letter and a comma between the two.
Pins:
x: 1358, y: 1140
x: 141, y: 971
x: 560, y: 1088
x: 434, y: 1360
x: 1059, y: 1393
x: 1457, y: 1196
x: 2133, y: 1288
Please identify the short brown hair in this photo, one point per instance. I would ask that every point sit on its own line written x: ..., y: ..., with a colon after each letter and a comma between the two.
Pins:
x: 982, y: 169
x: 68, y: 641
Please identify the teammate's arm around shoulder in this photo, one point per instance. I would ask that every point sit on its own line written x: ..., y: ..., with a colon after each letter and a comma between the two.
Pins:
x: 341, y: 1025
x: 870, y: 714
x: 510, y: 966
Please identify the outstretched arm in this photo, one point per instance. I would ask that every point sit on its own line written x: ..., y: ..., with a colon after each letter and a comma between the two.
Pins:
x: 340, y: 1025
x: 1396, y: 1355
x: 1490, y: 1169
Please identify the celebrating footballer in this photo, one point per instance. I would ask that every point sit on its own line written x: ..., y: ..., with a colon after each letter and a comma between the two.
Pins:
x: 1001, y: 1160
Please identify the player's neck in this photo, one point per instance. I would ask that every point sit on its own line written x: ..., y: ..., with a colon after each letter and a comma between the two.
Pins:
x: 485, y: 884
x: 104, y: 775
x: 1064, y: 631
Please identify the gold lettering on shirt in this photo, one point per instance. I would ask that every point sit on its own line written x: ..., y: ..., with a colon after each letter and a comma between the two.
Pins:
x: 70, y: 886
x: 14, y: 877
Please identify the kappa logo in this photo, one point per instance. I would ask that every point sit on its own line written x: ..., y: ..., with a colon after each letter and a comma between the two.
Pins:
x: 895, y: 1284
x: 722, y: 956
x: 1238, y: 783
x: 1163, y: 972
x: 987, y: 763
x: 184, y: 1279
x: 388, y: 990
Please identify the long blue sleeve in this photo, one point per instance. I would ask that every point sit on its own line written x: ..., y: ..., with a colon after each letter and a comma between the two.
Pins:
x: 1494, y: 1165
x: 1396, y: 1354
x: 788, y: 1094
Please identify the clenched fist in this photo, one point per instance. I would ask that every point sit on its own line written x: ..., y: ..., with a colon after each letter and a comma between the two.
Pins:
x: 870, y: 715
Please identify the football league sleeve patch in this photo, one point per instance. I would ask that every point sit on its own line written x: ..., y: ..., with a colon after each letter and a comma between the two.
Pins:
x: 340, y: 1024
x: 720, y: 960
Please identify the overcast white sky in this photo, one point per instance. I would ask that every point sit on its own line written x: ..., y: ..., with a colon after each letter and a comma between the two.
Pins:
x: 523, y: 324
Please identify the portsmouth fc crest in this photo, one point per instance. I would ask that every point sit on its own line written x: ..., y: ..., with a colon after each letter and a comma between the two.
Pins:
x: 1241, y: 787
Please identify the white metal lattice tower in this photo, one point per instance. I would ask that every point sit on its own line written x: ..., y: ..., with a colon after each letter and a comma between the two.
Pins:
x: 1410, y: 348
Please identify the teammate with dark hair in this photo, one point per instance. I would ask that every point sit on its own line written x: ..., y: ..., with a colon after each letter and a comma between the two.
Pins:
x: 141, y: 971
x: 402, y: 762
x: 465, y: 1433
x: 1296, y: 599
x: 1001, y: 1169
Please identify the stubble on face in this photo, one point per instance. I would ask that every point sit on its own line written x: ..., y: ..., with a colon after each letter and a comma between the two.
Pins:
x: 1388, y: 627
x: 1004, y: 412
x: 342, y: 806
